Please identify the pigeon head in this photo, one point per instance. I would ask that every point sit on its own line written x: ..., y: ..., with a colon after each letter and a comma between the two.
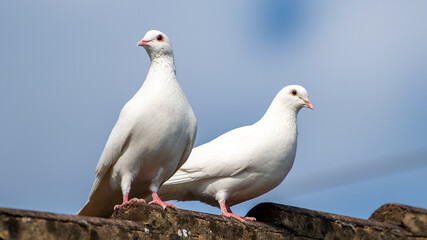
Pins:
x: 296, y: 97
x: 156, y: 44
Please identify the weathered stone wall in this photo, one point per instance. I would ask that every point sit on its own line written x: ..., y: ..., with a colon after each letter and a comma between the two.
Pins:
x: 412, y: 219
x: 321, y: 225
x: 142, y: 221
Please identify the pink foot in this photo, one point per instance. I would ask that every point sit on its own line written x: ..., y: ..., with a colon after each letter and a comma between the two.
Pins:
x: 125, y: 201
x: 225, y: 212
x: 232, y: 215
x: 158, y: 201
x: 250, y: 218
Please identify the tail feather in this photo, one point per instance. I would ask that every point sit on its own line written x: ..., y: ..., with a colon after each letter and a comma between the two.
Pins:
x: 102, y: 200
x: 178, y: 192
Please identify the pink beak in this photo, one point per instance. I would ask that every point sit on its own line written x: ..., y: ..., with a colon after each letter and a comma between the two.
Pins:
x: 308, y: 104
x: 142, y: 43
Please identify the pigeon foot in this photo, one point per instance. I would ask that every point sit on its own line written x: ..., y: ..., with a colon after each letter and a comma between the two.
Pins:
x: 158, y: 201
x: 250, y: 218
x: 227, y: 213
x: 133, y: 200
x: 235, y: 216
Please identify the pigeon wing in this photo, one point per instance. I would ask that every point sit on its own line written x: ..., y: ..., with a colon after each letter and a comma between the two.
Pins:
x: 116, y: 144
x: 222, y: 157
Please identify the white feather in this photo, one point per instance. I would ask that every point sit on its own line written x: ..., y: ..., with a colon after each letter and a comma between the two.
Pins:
x: 243, y: 163
x: 152, y: 138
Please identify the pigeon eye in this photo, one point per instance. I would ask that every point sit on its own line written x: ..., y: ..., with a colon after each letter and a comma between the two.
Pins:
x: 159, y: 37
x: 294, y: 92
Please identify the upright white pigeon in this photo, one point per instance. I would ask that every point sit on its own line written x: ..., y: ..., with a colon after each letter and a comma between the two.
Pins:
x: 243, y: 163
x: 152, y: 138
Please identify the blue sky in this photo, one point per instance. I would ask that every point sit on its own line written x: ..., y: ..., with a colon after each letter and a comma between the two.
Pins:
x: 67, y: 68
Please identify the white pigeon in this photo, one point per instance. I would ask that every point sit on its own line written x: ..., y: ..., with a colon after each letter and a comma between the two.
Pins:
x: 152, y: 138
x: 243, y: 163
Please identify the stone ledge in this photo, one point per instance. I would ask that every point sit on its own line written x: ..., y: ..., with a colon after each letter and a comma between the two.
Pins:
x: 411, y: 219
x: 142, y: 221
x: 197, y: 225
x: 23, y: 224
x: 149, y: 222
x: 321, y: 225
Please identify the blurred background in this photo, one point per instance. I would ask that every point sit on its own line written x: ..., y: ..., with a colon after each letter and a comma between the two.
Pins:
x: 68, y: 67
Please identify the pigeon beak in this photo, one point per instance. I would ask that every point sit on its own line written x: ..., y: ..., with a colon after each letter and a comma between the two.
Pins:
x: 142, y: 43
x: 308, y: 103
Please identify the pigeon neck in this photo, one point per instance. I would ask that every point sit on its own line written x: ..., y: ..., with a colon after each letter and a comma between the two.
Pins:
x: 162, y: 67
x: 162, y: 59
x: 280, y: 114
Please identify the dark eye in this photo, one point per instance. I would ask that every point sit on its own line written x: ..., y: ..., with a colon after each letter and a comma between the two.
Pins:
x: 159, y: 37
x: 294, y: 92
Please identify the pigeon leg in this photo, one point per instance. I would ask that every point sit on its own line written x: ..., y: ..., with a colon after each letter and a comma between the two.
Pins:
x: 158, y: 201
x: 126, y: 201
x: 228, y: 213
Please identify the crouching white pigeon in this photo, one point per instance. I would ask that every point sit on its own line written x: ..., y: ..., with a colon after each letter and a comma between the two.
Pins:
x: 243, y: 163
x: 152, y: 138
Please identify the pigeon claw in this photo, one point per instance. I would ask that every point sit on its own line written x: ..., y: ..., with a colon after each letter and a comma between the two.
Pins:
x: 250, y: 218
x: 162, y: 204
x: 136, y: 200
x: 158, y: 201
x: 133, y: 200
x: 119, y: 206
x: 227, y: 213
x: 235, y: 216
